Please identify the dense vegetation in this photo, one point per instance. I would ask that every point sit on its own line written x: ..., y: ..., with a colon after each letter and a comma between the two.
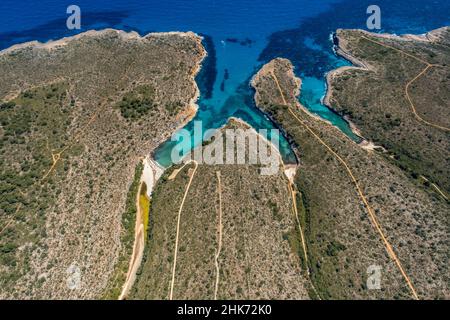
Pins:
x: 138, y: 102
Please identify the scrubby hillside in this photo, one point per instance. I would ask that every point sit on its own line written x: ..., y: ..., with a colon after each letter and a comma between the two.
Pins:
x: 76, y: 116
x: 236, y: 236
x: 362, y: 211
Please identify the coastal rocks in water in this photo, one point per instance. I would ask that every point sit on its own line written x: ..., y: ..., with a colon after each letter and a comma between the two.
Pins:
x: 291, y: 44
x: 226, y: 76
x: 243, y: 42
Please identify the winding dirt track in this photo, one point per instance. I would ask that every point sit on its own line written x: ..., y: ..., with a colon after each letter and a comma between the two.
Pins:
x: 293, y: 194
x: 11, y: 220
x: 372, y: 216
x: 220, y: 228
x: 138, y: 248
x: 56, y: 157
x: 178, y: 225
x: 408, y: 97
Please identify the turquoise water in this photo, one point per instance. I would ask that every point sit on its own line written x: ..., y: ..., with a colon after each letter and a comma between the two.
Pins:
x: 313, y: 91
x: 235, y: 98
x: 295, y: 29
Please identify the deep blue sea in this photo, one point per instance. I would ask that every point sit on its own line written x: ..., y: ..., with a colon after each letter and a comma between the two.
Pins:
x: 240, y: 36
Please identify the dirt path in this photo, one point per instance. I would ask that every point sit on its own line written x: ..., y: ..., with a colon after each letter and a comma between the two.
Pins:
x: 138, y: 248
x: 295, y: 211
x: 408, y: 97
x: 56, y: 157
x: 436, y: 188
x: 178, y: 226
x: 220, y: 228
x: 372, y: 216
x: 11, y: 220
x: 293, y: 194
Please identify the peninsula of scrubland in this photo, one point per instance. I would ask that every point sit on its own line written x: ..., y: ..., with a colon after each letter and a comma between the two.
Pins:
x: 77, y: 116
